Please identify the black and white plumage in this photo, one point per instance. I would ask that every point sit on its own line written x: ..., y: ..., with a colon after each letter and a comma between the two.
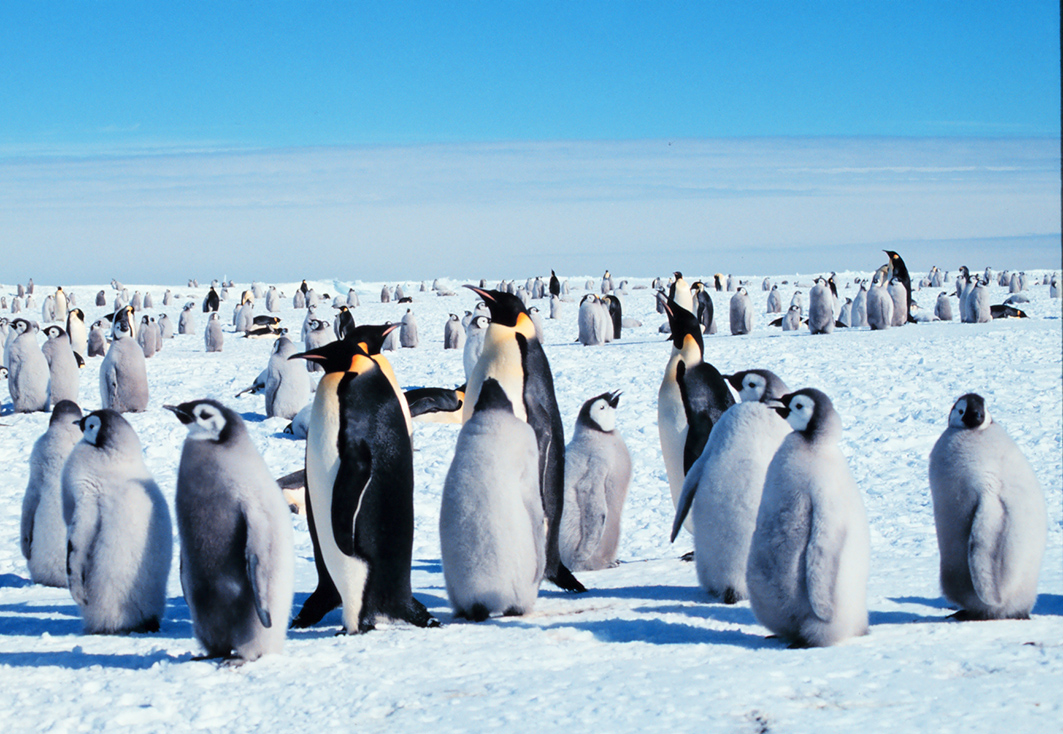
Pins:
x: 120, y: 539
x: 820, y: 308
x: 474, y: 343
x: 491, y: 525
x: 810, y: 554
x: 124, y: 373
x: 287, y: 383
x: 28, y: 373
x: 43, y: 535
x: 453, y: 333
x: 237, y: 547
x: 593, y: 321
x: 408, y: 330
x: 597, y: 475
x: 213, y: 337
x: 62, y: 366
x: 77, y: 331
x: 990, y: 515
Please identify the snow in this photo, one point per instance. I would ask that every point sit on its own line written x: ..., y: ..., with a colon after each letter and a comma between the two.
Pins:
x: 644, y: 648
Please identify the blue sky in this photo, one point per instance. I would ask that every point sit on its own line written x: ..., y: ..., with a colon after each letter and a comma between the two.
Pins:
x: 230, y: 87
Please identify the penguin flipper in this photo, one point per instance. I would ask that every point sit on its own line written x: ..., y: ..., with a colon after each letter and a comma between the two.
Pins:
x: 356, y: 468
x: 822, y: 560
x: 259, y: 581
x: 986, y: 556
x: 565, y: 581
x: 686, y: 497
x: 81, y: 540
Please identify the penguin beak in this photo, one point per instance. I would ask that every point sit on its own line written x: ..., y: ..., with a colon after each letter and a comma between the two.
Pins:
x: 780, y: 406
x: 481, y: 293
x: 182, y: 415
x: 614, y: 398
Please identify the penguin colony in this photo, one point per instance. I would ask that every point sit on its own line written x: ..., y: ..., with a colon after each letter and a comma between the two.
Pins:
x: 506, y: 498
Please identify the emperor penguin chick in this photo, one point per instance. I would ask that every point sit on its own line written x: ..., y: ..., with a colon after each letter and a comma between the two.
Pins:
x: 28, y: 373
x: 597, y: 475
x: 741, y: 312
x: 287, y: 383
x: 119, y: 538
x: 990, y: 515
x: 474, y: 343
x: 213, y: 337
x: 124, y: 374
x: 492, y: 531
x: 453, y: 334
x: 820, y: 308
x: 237, y: 548
x: 809, y: 559
x: 43, y: 527
x: 62, y: 365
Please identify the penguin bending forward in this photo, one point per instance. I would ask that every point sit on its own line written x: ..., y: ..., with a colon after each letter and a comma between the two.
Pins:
x: 359, y: 481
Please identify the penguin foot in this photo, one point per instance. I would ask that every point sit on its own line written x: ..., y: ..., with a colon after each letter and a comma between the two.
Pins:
x: 418, y: 615
x: 565, y: 581
x: 688, y: 556
x: 316, y: 606
x: 513, y: 612
x: 730, y: 596
x: 798, y: 645
x: 148, y: 625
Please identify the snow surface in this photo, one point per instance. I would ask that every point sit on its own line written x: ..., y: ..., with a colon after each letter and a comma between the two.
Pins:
x: 644, y: 648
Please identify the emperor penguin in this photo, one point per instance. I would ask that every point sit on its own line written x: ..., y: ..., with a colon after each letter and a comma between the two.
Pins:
x: 352, y: 298
x: 287, y: 383
x: 165, y: 327
x: 597, y: 476
x: 555, y: 307
x: 400, y: 293
x: 679, y: 291
x: 614, y: 316
x: 237, y: 545
x: 845, y: 316
x: 537, y: 322
x: 704, y: 310
x: 359, y: 474
x: 990, y: 515
x: 146, y: 337
x: 474, y: 343
x: 820, y: 308
x: 299, y: 299
x: 273, y: 299
x: 978, y: 308
x: 408, y: 330
x: 591, y: 321
x: 899, y: 295
x: 706, y: 396
x: 722, y: 488
x: 810, y: 554
x: 798, y: 300
x: 555, y: 285
x: 385, y: 294
x: 879, y: 307
x: 899, y: 271
x: 316, y: 335
x: 774, y: 300
x: 391, y: 341
x: 688, y: 348
x: 491, y: 524
x: 77, y: 331
x: 943, y: 307
x: 62, y: 366
x: 343, y: 323
x: 513, y: 356
x: 62, y: 304
x: 119, y: 537
x: 43, y: 528
x: 136, y: 302
x: 212, y: 302
x: 97, y: 340
x: 28, y: 373
x: 186, y: 322
x: 860, y: 307
x: 124, y: 374
x: 148, y: 302
x: 213, y: 337
x: 741, y: 312
x: 453, y: 334
x: 791, y: 320
x: 101, y: 298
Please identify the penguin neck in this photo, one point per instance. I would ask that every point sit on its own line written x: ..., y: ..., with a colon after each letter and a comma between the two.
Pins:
x: 689, y: 354
x: 501, y: 360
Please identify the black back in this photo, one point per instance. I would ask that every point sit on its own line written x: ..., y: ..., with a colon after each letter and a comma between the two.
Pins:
x: 705, y: 398
x: 613, y: 304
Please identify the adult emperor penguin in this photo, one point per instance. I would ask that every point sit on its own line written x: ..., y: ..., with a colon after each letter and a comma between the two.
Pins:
x: 43, y: 527
x: 597, y: 475
x: 213, y: 337
x: 614, y: 315
x: 119, y: 538
x: 722, y: 488
x: 688, y: 348
x: 679, y: 291
x: 343, y: 323
x: 124, y: 374
x: 237, y: 548
x: 705, y: 398
x: 899, y: 271
x: 491, y: 530
x: 77, y: 331
x: 704, y: 310
x: 453, y: 334
x: 514, y: 357
x: 555, y: 284
x: 287, y: 383
x: 820, y: 308
x: 28, y: 372
x: 741, y: 312
x: 990, y: 515
x: 62, y: 365
x: 212, y: 302
x: 809, y: 559
x: 359, y: 474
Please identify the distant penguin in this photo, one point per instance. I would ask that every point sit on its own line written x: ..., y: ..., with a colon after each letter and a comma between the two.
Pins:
x: 28, y: 371
x: 97, y: 340
x: 165, y: 327
x: 344, y: 323
x: 943, y: 307
x: 453, y: 334
x: 978, y: 307
x: 237, y: 547
x: 77, y: 331
x: 299, y: 299
x: 741, y: 312
x: 43, y: 528
x: 119, y: 540
x: 990, y: 515
x: 317, y: 335
x: 820, y: 309
x: 474, y: 343
x: 359, y: 474
x: 245, y: 319
x: 48, y: 309
x: 798, y: 300
x: 408, y: 330
x: 124, y: 374
x: 810, y: 554
x: 722, y: 494
x: 879, y: 307
x: 213, y: 337
x: 146, y: 337
x: 899, y: 295
x: 791, y: 320
x: 101, y: 299
x: 774, y: 300
x: 186, y: 322
x: 597, y: 476
x: 766, y: 285
x: 62, y: 366
x: 287, y: 387
x: 965, y: 286
x: 491, y: 523
x: 211, y: 302
x: 846, y: 314
x: 537, y: 322
x: 859, y: 310
x: 61, y: 304
x: 899, y: 270
x: 136, y: 302
x: 555, y: 285
x: 614, y: 316
x: 591, y: 322
x: 391, y: 341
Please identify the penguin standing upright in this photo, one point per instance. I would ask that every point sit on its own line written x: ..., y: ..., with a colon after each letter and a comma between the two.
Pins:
x: 597, y: 475
x: 879, y: 306
x: 146, y: 337
x: 453, y: 334
x: 237, y: 548
x: 900, y: 271
x: 810, y: 554
x: 43, y: 527
x: 679, y: 291
x: 706, y: 397
x: 408, y: 330
x: 213, y: 337
x: 591, y: 321
x: 514, y: 357
x: 186, y: 322
x: 474, y: 343
x: 899, y: 296
x: 614, y: 312
x: 28, y: 372
x: 343, y: 324
x: 555, y: 285
x: 741, y: 312
x: 120, y: 540
x: 62, y: 366
x: 77, y: 332
x: 97, y: 340
x: 990, y: 515
x: 359, y: 474
x: 124, y: 373
x: 287, y: 387
x: 943, y: 307
x: 491, y: 532
x: 820, y: 309
x: 211, y: 302
x: 315, y: 335
x: 859, y: 310
x: 774, y: 300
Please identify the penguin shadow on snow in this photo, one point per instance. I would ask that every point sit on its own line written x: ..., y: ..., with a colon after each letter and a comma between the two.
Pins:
x: 659, y: 632
x: 649, y: 593
x: 77, y: 659
x: 1047, y: 604
x: 250, y: 417
x: 26, y: 619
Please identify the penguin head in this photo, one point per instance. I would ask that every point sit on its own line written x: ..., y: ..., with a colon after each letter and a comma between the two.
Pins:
x: 106, y: 429
x: 370, y: 337
x: 480, y: 322
x: 207, y: 420
x: 146, y: 320
x: 345, y: 355
x: 506, y: 310
x: 3, y: 372
x: 283, y: 347
x: 810, y: 413
x: 599, y: 413
x: 684, y: 325
x: 54, y: 332
x: 969, y: 412
x: 76, y: 313
x: 757, y: 386
x: 589, y: 298
x: 492, y: 397
x: 22, y: 326
x: 65, y: 411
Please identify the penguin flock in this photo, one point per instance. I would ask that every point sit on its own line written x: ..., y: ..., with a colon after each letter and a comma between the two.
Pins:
x: 754, y: 469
